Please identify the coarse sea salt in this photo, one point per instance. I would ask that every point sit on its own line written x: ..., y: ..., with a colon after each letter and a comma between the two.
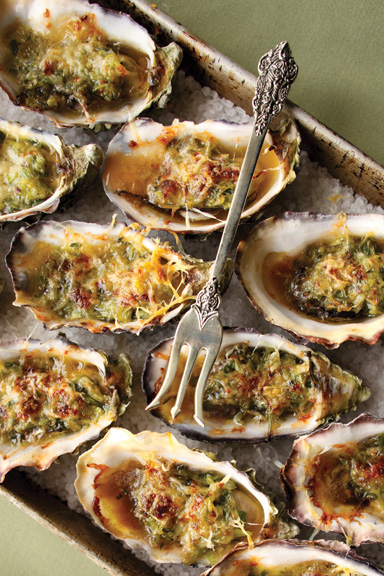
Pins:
x: 313, y: 190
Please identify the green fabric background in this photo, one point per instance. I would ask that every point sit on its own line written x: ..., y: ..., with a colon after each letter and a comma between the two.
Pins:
x: 339, y: 47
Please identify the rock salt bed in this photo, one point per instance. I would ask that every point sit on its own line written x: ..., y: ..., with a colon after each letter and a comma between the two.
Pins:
x: 314, y: 190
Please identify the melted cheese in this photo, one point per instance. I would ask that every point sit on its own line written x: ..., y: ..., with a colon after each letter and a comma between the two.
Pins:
x: 28, y: 173
x: 43, y: 395
x: 169, y: 505
x: 72, y: 65
x: 114, y: 280
x: 190, y: 171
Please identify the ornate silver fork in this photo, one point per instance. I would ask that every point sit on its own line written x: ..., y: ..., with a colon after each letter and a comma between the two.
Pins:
x: 200, y: 328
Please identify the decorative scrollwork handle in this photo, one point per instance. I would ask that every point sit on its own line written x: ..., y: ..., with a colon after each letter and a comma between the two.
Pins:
x: 208, y: 302
x: 278, y: 71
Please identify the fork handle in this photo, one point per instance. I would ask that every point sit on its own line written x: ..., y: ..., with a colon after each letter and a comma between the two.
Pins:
x: 240, y: 195
x: 277, y: 71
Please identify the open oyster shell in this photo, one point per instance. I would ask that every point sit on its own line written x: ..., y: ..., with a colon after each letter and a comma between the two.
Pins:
x: 178, y: 504
x: 38, y: 169
x: 81, y: 64
x: 182, y: 177
x: 55, y: 396
x: 103, y: 278
x: 292, y: 558
x: 333, y: 479
x: 272, y: 256
x: 260, y: 387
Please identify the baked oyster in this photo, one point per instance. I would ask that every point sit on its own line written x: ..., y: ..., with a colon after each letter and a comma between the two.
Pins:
x: 294, y: 558
x: 37, y: 169
x: 318, y: 276
x: 80, y: 64
x: 53, y: 397
x: 104, y: 278
x: 260, y: 387
x: 334, y: 480
x: 177, y: 504
x: 182, y: 177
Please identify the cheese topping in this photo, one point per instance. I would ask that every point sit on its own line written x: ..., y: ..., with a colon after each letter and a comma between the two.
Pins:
x: 72, y: 66
x: 340, y: 278
x: 172, y: 505
x: 29, y: 173
x: 46, y: 395
x: 347, y: 480
x: 190, y: 171
x: 116, y: 280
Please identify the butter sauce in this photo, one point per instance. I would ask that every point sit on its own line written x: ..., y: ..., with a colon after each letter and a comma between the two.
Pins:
x: 171, y: 505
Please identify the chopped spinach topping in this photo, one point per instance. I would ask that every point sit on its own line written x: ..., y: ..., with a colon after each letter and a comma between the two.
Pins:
x: 72, y: 65
x: 259, y: 384
x: 349, y: 478
x: 182, y: 506
x: 195, y: 173
x: 44, y: 395
x: 341, y: 278
x: 29, y: 173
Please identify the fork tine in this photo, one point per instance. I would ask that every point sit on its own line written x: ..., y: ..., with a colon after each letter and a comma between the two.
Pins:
x: 207, y: 367
x: 170, y: 374
x: 193, y: 352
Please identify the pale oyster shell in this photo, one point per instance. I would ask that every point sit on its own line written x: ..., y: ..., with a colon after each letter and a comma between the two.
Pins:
x: 143, y: 141
x: 119, y: 27
x: 78, y: 165
x: 358, y: 526
x: 44, y: 447
x: 61, y: 234
x: 120, y: 446
x: 337, y: 391
x: 290, y: 233
x: 288, y: 553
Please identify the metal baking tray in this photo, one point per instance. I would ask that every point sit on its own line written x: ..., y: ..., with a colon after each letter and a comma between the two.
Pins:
x: 343, y: 160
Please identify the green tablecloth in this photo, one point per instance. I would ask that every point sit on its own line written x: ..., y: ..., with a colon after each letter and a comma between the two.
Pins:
x: 339, y: 46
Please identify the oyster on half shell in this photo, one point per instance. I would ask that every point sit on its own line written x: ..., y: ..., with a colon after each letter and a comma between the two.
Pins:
x: 55, y: 396
x: 261, y: 386
x: 294, y: 558
x: 104, y: 278
x: 182, y: 177
x: 81, y: 64
x: 177, y: 504
x: 317, y: 276
x: 37, y: 169
x: 334, y: 480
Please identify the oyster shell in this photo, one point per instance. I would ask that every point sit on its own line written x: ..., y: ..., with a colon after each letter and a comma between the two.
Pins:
x: 260, y: 387
x: 293, y: 558
x: 178, y: 504
x: 104, y: 278
x: 182, y: 177
x: 333, y: 479
x: 55, y: 396
x: 80, y: 64
x: 37, y: 169
x: 317, y: 276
